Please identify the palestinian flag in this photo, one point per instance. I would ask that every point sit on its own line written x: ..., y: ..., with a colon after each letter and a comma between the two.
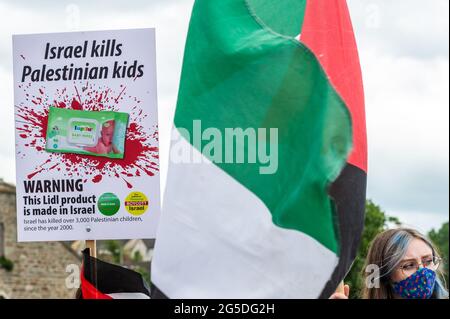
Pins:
x: 101, y: 280
x: 228, y: 231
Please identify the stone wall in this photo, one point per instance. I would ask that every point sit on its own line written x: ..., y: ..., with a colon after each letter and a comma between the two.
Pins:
x: 39, y: 268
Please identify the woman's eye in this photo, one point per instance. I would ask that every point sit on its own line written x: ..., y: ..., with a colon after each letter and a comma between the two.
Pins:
x: 408, y: 266
x: 427, y: 262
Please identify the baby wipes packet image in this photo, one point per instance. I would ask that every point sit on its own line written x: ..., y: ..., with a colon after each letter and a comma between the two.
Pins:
x: 87, y: 132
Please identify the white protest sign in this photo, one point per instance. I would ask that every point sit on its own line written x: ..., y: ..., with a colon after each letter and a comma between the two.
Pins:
x: 109, y: 188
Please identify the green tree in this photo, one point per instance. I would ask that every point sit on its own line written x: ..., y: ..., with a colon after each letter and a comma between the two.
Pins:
x: 137, y: 257
x: 440, y: 238
x: 375, y: 222
x: 114, y: 247
x: 144, y: 273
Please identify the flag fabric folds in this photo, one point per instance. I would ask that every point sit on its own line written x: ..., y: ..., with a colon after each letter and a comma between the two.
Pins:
x: 228, y: 231
x: 101, y: 280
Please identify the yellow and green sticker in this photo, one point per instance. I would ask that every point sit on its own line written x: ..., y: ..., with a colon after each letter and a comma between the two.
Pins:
x: 136, y: 203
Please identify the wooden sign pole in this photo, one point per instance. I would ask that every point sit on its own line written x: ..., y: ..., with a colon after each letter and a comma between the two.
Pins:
x: 92, y: 245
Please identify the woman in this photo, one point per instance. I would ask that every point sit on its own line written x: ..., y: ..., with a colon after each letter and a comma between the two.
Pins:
x: 401, y: 264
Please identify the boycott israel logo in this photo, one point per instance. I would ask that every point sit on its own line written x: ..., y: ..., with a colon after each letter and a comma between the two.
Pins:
x: 136, y: 203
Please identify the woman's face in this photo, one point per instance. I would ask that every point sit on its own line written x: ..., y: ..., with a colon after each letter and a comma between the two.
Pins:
x: 419, y: 254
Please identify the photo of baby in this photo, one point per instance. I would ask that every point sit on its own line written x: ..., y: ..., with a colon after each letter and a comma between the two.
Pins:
x: 105, y: 143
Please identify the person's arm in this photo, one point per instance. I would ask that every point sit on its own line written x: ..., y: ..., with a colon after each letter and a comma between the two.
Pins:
x: 92, y: 149
x: 115, y: 149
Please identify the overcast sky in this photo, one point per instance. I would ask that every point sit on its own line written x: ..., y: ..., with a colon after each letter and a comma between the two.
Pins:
x: 404, y: 52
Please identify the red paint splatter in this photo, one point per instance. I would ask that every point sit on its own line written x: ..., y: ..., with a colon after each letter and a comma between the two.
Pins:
x: 140, y: 152
x: 128, y: 183
x: 36, y: 120
x: 120, y: 94
x: 78, y: 94
x: 30, y: 176
x: 76, y: 105
x: 97, y: 178
x: 54, y: 166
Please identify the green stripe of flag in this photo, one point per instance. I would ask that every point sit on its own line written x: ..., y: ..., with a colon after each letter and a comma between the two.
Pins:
x: 238, y: 73
x: 268, y: 12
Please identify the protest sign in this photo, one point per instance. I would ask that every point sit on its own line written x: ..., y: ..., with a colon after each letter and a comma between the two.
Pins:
x: 86, y: 121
